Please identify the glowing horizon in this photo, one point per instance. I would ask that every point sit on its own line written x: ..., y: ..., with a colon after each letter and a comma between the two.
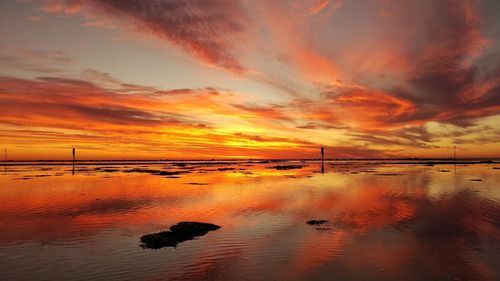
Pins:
x: 165, y: 79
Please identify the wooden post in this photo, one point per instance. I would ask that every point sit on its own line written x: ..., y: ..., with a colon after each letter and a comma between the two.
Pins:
x: 322, y: 160
x: 455, y: 158
x: 5, y: 164
x: 74, y: 156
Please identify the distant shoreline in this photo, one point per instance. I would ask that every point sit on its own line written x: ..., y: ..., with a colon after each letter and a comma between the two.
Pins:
x: 423, y: 161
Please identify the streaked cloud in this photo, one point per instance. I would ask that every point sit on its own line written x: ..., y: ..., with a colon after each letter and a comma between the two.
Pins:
x: 209, y: 30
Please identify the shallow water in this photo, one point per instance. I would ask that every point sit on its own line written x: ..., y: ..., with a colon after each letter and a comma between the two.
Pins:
x: 387, y: 221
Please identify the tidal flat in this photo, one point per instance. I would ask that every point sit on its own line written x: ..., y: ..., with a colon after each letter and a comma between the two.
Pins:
x: 380, y: 220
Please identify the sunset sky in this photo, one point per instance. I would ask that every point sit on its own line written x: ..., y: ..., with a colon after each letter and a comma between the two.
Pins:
x: 133, y: 79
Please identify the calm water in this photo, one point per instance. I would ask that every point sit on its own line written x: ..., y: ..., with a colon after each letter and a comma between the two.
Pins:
x: 386, y: 221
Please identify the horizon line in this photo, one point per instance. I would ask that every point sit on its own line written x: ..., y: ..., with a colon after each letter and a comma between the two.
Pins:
x: 251, y: 159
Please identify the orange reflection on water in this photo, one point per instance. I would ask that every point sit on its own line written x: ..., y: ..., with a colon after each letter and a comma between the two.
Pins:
x: 384, y: 224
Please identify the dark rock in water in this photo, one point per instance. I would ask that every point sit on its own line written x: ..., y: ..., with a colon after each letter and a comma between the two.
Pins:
x: 225, y: 169
x: 178, y: 233
x: 316, y: 222
x: 193, y: 228
x: 168, y: 173
x: 137, y: 170
x: 287, y: 167
x: 155, y: 172
x: 109, y: 170
x: 159, y: 240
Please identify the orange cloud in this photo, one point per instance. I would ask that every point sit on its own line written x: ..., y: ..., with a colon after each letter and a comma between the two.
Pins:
x: 182, y: 123
x: 371, y: 109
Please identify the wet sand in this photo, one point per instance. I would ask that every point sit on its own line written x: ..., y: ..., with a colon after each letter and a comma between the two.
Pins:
x: 410, y: 220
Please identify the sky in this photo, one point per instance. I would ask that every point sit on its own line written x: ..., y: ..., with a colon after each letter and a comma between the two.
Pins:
x: 169, y: 79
